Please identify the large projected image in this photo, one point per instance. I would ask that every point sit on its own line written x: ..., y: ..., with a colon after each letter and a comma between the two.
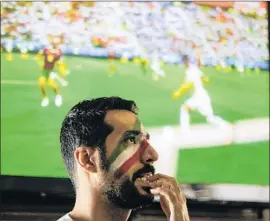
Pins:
x: 198, y: 71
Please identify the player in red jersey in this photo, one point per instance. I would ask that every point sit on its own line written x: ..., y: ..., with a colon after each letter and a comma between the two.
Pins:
x: 51, y: 56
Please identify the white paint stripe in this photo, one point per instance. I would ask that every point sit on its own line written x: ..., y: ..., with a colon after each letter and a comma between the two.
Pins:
x: 124, y: 156
x: 19, y: 82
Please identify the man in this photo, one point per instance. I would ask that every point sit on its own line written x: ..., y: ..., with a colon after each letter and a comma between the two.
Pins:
x: 143, y: 64
x: 109, y: 159
x: 199, y: 100
x: 112, y: 66
x: 157, y: 71
x: 51, y: 56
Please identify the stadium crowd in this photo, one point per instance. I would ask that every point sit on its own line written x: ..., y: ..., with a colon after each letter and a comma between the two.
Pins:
x: 216, y: 33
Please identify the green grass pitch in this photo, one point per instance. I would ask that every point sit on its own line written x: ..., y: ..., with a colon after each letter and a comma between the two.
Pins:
x: 237, y: 164
x: 30, y: 134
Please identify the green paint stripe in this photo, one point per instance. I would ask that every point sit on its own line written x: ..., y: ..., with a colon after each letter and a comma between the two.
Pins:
x: 120, y: 147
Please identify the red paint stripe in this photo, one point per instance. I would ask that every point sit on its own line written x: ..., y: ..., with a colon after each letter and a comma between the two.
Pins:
x: 130, y: 162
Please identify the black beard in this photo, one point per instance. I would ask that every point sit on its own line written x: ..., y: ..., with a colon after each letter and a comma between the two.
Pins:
x: 126, y: 196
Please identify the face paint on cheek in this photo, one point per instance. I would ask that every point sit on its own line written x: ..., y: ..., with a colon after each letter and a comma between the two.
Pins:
x: 124, y: 168
x: 123, y: 157
x: 121, y: 153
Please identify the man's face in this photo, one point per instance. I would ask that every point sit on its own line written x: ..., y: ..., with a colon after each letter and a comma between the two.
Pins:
x: 129, y: 156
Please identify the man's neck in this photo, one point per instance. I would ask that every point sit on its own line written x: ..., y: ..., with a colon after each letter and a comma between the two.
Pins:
x: 93, y: 208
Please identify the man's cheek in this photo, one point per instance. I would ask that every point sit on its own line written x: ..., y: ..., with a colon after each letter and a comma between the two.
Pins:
x: 124, y: 160
x: 133, y: 169
x: 134, y: 158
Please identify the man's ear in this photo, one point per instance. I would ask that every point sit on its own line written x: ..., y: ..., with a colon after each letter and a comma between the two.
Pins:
x: 86, y: 158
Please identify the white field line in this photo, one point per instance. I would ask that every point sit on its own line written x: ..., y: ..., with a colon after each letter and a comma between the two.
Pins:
x: 19, y: 82
x: 232, y: 192
x: 205, y: 135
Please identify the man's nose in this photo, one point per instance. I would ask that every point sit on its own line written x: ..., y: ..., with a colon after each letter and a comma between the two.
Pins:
x: 149, y: 156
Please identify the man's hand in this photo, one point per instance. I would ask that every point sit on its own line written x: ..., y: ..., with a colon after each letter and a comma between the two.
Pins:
x: 172, y: 201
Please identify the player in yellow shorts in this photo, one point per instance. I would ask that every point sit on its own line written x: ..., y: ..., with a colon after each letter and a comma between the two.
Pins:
x: 51, y: 56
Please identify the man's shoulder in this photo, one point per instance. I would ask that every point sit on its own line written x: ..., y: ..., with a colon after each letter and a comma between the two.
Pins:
x: 65, y: 218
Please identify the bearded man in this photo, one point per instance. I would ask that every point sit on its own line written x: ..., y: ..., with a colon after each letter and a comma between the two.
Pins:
x: 107, y: 153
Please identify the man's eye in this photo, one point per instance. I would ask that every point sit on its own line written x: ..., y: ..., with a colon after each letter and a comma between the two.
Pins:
x: 130, y: 140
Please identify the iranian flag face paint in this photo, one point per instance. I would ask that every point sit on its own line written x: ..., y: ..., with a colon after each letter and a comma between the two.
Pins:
x: 126, y: 147
x: 126, y: 154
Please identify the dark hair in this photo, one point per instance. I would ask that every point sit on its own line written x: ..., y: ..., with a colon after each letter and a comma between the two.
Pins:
x: 84, y: 126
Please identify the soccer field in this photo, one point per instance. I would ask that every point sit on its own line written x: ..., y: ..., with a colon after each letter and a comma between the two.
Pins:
x: 30, y: 134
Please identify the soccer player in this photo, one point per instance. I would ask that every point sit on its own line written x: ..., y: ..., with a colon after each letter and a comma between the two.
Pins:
x: 157, y: 71
x: 199, y: 100
x: 107, y: 153
x: 63, y: 71
x: 112, y: 65
x: 51, y: 56
x: 143, y: 64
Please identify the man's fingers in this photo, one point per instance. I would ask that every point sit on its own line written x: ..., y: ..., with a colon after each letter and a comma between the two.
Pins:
x: 172, y: 201
x: 161, y: 183
x: 167, y: 193
x: 166, y: 185
x: 167, y: 181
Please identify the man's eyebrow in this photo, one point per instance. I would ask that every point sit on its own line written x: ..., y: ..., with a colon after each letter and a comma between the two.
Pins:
x: 135, y: 133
